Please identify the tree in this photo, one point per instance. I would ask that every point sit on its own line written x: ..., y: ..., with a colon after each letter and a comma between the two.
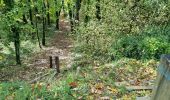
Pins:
x: 48, y: 12
x: 70, y: 13
x: 30, y: 12
x: 16, y: 33
x: 44, y: 23
x: 78, y: 6
x: 57, y: 13
x: 98, y: 9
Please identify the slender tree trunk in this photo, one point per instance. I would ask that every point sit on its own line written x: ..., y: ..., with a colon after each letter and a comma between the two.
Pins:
x: 87, y: 17
x: 57, y: 13
x: 31, y: 19
x: 98, y: 16
x: 44, y: 31
x: 78, y: 6
x: 15, y: 31
x: 57, y: 19
x: 24, y: 19
x: 44, y: 23
x: 30, y: 12
x: 48, y: 13
x: 63, y: 6
x: 38, y: 38
x: 36, y: 26
x: 71, y: 17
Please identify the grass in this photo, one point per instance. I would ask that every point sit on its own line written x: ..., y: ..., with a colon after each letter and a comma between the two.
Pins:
x: 90, y: 83
x: 85, y: 81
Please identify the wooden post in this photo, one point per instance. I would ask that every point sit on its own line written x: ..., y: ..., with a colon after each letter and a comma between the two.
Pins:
x: 57, y: 63
x: 51, y: 61
x: 162, y: 86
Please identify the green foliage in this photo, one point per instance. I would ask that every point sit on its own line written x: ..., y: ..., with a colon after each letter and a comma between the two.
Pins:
x: 154, y: 47
x: 150, y: 44
x: 94, y: 41
x: 22, y: 91
x: 134, y: 29
x: 12, y: 14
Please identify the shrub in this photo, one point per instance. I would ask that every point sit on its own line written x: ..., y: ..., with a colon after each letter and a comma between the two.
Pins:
x: 94, y: 40
x: 142, y: 46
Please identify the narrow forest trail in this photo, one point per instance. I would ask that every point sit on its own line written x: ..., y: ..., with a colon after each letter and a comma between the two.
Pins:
x: 37, y: 64
x: 60, y: 45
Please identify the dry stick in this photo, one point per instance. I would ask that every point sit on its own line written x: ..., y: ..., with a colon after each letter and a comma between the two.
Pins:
x: 38, y: 78
x: 51, y: 61
x: 133, y: 88
x: 57, y: 64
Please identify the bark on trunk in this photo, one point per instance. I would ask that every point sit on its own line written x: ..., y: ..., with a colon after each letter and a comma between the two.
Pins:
x: 98, y: 10
x: 48, y: 13
x: 15, y: 31
x: 78, y: 6
x: 71, y: 17
x: 57, y: 13
x: 44, y: 24
x: 57, y: 19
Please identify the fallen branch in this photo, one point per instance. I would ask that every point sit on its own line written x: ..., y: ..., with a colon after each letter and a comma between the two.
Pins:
x: 133, y: 88
x: 38, y: 78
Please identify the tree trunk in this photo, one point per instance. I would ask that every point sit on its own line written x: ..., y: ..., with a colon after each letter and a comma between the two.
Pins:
x: 44, y: 23
x: 98, y: 10
x: 57, y: 13
x: 71, y: 17
x: 87, y: 17
x: 36, y: 26
x: 24, y: 19
x: 78, y: 6
x: 48, y: 13
x: 44, y: 31
x: 15, y: 31
x: 30, y: 12
x: 65, y: 14
x: 57, y: 19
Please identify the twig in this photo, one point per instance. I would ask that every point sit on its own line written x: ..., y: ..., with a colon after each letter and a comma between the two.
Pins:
x: 133, y: 88
x: 38, y: 78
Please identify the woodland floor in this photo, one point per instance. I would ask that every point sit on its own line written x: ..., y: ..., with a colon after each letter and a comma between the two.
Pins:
x: 38, y: 64
x: 100, y: 83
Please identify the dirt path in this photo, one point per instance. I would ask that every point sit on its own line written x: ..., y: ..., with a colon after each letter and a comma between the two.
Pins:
x: 60, y: 45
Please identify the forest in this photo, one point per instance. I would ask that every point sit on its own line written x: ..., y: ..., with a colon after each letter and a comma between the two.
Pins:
x: 82, y: 49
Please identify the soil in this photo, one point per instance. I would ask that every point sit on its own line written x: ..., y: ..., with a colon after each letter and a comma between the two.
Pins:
x: 60, y: 45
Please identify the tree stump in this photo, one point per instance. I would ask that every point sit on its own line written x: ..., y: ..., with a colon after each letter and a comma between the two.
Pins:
x: 51, y: 61
x: 57, y: 63
x: 162, y: 87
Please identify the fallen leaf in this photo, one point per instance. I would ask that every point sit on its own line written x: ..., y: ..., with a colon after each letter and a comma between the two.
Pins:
x: 32, y: 86
x: 95, y: 91
x: 39, y: 85
x: 48, y: 86
x: 99, y: 86
x: 73, y: 85
x: 113, y: 90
